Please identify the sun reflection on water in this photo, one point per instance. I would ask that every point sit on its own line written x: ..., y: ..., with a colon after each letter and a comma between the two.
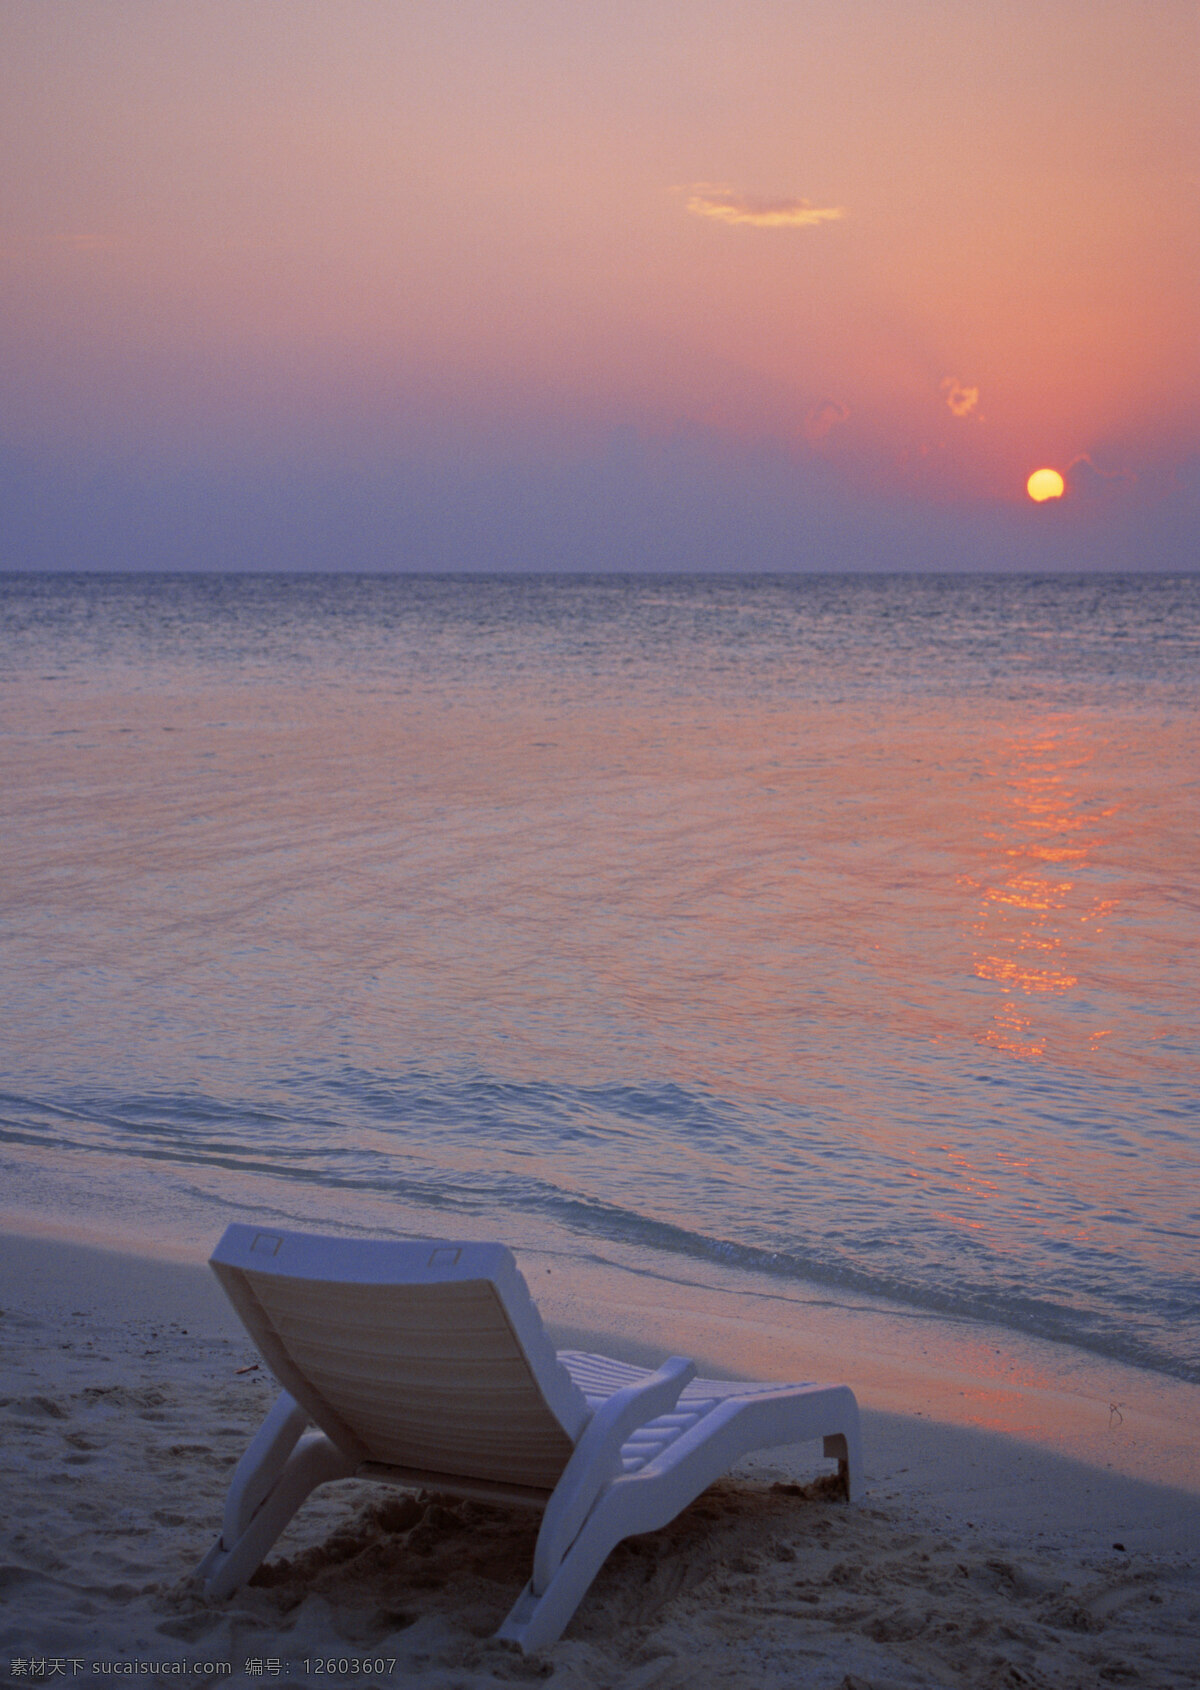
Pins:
x: 1032, y: 908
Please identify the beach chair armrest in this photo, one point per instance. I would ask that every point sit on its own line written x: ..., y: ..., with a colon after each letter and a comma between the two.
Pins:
x: 262, y: 1464
x: 597, y: 1459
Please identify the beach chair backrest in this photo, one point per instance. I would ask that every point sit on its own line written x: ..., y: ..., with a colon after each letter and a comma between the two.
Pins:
x: 419, y: 1354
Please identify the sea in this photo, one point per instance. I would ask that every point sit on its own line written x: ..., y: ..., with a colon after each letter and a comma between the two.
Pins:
x: 840, y: 931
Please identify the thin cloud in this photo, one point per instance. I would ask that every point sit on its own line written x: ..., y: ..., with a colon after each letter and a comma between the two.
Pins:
x: 961, y: 400
x: 727, y: 205
x: 1087, y: 478
x: 822, y: 419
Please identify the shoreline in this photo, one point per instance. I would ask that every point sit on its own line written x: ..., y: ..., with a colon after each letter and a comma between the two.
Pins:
x: 906, y: 1362
x: 973, y: 1554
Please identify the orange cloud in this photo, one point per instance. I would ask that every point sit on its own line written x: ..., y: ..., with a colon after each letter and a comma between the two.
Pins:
x: 822, y: 419
x: 961, y: 400
x: 726, y: 205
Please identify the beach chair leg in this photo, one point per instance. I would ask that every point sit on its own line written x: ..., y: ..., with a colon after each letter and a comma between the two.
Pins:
x: 537, y: 1620
x: 258, y: 1471
x: 315, y: 1461
x: 845, y: 1447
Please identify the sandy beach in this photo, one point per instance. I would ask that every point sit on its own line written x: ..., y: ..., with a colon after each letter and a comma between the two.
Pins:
x: 975, y: 1559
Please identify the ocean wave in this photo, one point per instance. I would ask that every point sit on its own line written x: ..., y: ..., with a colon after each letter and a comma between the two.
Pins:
x: 1102, y: 1303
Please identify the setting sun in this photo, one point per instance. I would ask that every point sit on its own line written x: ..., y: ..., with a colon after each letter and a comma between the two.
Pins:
x: 1045, y: 484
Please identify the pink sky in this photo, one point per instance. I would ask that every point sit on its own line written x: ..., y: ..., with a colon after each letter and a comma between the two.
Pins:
x: 901, y: 255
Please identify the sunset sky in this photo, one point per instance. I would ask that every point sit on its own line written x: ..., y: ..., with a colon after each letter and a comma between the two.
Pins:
x: 501, y: 284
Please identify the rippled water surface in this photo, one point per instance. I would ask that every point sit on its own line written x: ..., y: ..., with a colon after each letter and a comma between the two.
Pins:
x: 840, y: 928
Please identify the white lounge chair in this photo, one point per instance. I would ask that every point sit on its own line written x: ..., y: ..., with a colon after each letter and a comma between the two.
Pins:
x: 425, y: 1365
